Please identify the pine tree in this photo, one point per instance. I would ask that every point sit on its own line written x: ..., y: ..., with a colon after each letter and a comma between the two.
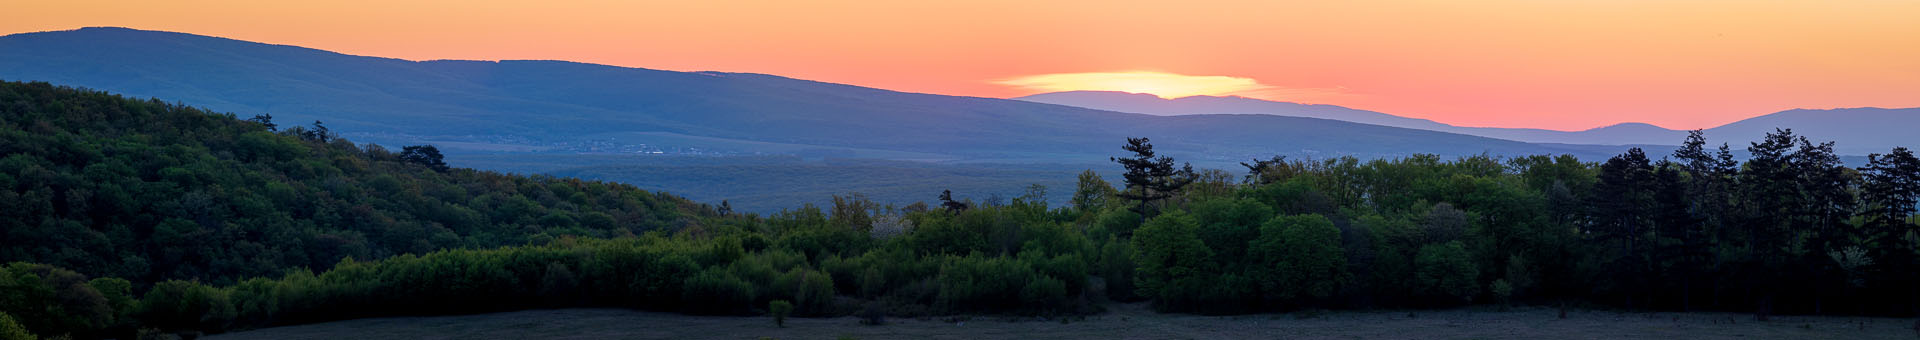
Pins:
x: 265, y: 120
x: 1151, y: 178
x: 1623, y: 202
x: 1890, y: 191
x: 424, y: 155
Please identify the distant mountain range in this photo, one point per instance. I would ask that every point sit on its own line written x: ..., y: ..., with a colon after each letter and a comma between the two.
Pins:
x: 1856, y: 131
x: 574, y: 107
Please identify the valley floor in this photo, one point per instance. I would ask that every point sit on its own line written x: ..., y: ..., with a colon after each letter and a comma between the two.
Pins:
x: 1132, y: 321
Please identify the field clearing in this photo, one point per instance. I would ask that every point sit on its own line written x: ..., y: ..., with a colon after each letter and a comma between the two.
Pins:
x: 1132, y: 321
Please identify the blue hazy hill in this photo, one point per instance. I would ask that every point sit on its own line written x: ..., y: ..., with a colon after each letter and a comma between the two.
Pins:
x: 548, y: 102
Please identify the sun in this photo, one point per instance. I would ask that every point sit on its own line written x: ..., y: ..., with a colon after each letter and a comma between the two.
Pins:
x: 1165, y: 85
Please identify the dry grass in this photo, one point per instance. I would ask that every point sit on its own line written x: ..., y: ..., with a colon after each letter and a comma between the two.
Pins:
x: 1124, y: 322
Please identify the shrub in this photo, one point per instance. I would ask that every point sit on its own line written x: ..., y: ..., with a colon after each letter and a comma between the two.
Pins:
x: 811, y: 291
x: 1116, y: 268
x: 1502, y: 292
x: 1044, y: 293
x: 780, y: 309
x: 1166, y: 250
x: 1299, y: 257
x: 184, y: 305
x: 49, y: 300
x: 979, y: 283
x: 1446, y: 273
x: 716, y: 292
x: 12, y: 330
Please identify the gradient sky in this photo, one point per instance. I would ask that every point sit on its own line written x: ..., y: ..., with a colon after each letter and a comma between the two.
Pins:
x: 1557, y: 64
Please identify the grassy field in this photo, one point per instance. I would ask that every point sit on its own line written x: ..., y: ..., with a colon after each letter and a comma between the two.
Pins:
x: 1123, y: 322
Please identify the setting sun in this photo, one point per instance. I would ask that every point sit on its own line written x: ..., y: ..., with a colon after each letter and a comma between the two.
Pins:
x: 1165, y: 85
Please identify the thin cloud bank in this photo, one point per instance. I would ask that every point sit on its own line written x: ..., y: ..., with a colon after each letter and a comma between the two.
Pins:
x: 1165, y: 85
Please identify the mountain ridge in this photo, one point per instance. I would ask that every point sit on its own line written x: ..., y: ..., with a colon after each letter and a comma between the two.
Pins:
x: 582, y: 107
x: 1623, y: 133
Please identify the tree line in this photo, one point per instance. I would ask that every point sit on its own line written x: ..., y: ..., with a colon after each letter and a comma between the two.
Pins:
x: 127, y: 216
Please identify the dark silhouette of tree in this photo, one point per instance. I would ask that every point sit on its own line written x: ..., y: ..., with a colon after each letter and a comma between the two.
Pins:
x: 1258, y: 172
x: 424, y: 155
x: 1151, y: 178
x: 265, y: 120
x: 1890, y: 191
x: 1771, y: 203
x: 1676, y: 249
x: 1623, y: 201
x: 954, y: 207
x: 1827, y: 202
x: 319, y: 132
x: 1708, y: 197
x: 726, y: 209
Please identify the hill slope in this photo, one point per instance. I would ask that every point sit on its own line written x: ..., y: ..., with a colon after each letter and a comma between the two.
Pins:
x: 547, y: 103
x: 1856, y: 131
x: 152, y: 191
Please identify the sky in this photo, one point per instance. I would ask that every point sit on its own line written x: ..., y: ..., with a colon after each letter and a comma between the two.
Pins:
x: 1555, y: 64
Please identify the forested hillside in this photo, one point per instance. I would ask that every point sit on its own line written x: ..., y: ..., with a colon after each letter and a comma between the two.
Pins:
x: 130, y: 216
x: 148, y: 190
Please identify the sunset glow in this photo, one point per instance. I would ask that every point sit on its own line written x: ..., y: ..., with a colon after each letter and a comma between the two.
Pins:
x: 1510, y: 63
x: 1165, y: 85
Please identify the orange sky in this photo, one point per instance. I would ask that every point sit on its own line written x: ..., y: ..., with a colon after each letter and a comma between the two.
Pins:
x: 1559, y: 64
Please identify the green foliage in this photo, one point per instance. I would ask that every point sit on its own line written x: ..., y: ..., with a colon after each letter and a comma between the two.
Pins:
x: 979, y: 283
x: 1117, y: 269
x: 1044, y: 291
x: 1169, y: 256
x: 1091, y: 193
x: 1502, y: 291
x: 12, y: 330
x: 186, y: 305
x: 151, y: 191
x: 780, y: 309
x: 1227, y: 224
x: 811, y: 291
x: 1446, y: 274
x: 717, y: 292
x: 1115, y: 222
x: 1299, y: 257
x: 53, y: 301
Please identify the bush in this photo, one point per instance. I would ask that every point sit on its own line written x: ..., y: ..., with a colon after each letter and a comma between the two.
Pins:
x: 184, y: 305
x: 1045, y: 293
x: 811, y: 291
x: 1299, y: 257
x: 780, y: 309
x: 1166, y: 250
x: 1116, y: 268
x: 1446, y: 273
x: 1502, y: 292
x: 49, y: 300
x: 979, y: 283
x: 716, y: 292
x: 12, y: 330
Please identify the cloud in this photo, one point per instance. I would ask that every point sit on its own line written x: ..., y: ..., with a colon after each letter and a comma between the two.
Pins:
x: 1165, y: 85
